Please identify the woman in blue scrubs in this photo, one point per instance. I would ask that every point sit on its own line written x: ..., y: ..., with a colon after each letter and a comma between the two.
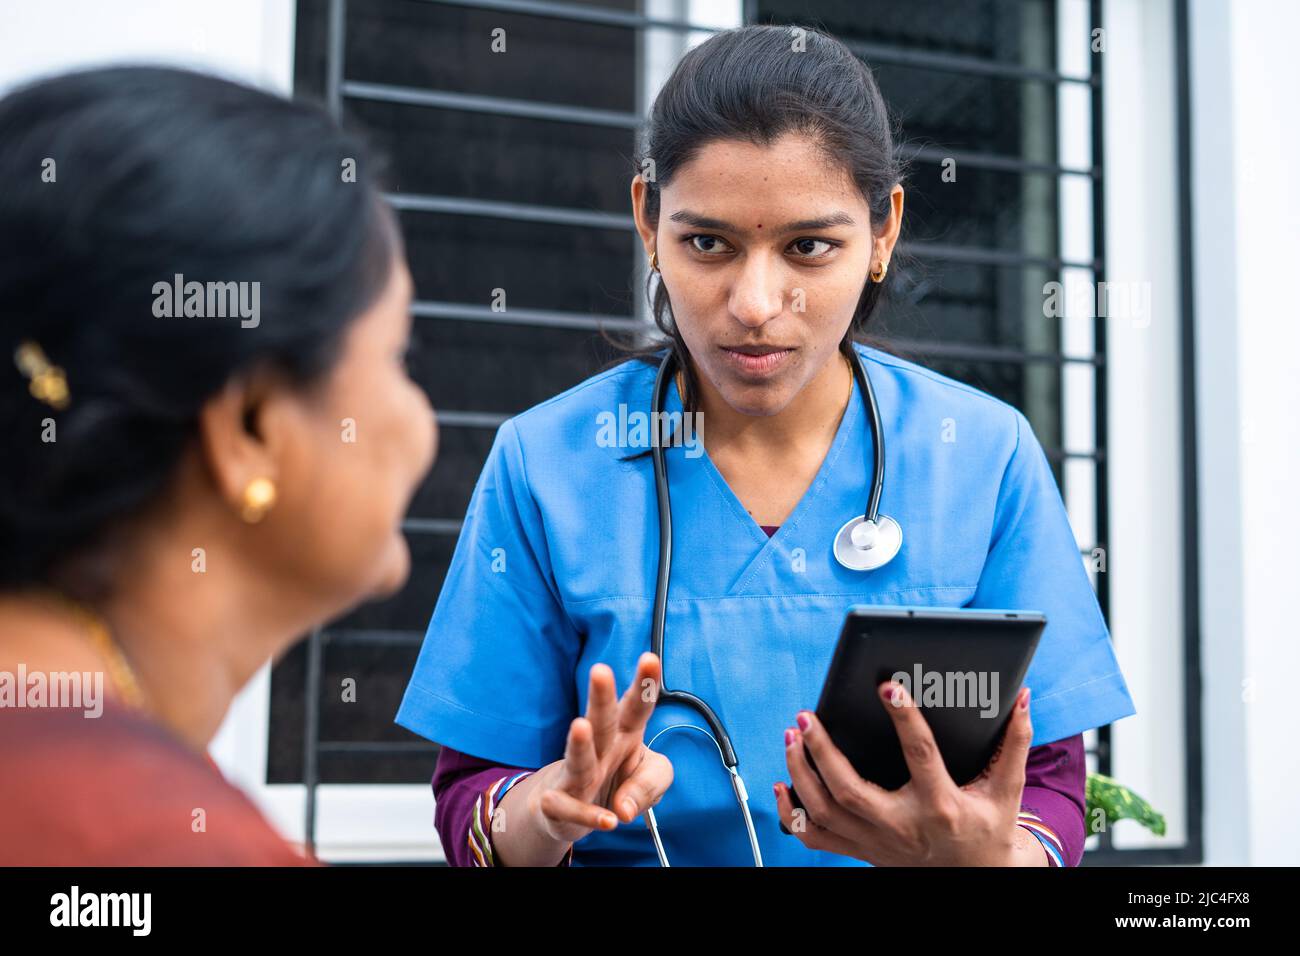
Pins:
x: 768, y: 202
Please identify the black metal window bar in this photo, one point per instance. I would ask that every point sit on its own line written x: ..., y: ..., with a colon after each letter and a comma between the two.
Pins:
x: 339, y: 88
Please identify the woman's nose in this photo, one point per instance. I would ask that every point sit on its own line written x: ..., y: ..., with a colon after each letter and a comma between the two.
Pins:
x: 757, y: 296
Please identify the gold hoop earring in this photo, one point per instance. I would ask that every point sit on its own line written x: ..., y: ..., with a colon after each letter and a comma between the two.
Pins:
x: 654, y: 260
x: 878, y: 273
x: 259, y: 498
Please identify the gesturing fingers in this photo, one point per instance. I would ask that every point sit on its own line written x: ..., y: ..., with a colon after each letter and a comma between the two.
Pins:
x: 581, y: 764
x: 639, y: 699
x: 563, y: 809
x: 645, y: 785
x: 602, y: 706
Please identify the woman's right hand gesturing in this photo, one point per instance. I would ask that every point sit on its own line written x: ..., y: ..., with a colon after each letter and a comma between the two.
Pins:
x: 606, y: 767
x: 606, y: 764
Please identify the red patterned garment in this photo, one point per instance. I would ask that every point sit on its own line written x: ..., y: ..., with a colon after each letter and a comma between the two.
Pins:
x: 121, y: 790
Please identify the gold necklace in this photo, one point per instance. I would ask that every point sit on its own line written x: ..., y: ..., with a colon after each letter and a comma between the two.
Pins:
x: 119, y: 669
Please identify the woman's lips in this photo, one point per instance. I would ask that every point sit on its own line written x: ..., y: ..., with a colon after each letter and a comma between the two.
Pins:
x: 757, y: 363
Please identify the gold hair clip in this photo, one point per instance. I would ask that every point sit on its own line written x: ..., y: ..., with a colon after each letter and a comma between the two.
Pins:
x: 47, y: 382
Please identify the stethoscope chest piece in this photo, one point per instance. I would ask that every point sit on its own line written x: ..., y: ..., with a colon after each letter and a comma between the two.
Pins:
x: 864, y: 546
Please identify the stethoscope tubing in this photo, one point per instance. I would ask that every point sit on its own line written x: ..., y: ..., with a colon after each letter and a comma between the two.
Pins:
x: 721, y: 739
x: 872, y: 513
x: 665, y: 572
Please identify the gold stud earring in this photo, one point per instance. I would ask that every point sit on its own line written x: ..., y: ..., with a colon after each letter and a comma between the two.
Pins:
x: 654, y: 260
x: 878, y: 273
x: 259, y: 498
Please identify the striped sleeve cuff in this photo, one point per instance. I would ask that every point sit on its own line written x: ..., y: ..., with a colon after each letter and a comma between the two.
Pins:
x: 1045, y: 834
x: 480, y: 824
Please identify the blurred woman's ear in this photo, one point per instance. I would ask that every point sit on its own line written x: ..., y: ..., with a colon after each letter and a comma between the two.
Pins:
x: 239, y: 429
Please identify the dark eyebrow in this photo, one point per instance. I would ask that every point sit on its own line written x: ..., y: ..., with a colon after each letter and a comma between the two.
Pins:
x: 689, y: 218
x: 686, y: 217
x: 821, y: 222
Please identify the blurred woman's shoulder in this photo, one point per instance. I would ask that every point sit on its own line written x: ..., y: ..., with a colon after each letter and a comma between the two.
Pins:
x: 119, y: 790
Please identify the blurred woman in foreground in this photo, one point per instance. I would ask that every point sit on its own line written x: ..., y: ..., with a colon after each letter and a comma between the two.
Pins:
x: 211, y: 440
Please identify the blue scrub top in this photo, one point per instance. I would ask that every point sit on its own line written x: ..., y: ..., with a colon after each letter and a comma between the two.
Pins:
x: 554, y: 571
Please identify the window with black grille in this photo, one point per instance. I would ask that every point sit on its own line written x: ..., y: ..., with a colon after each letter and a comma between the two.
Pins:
x: 511, y: 173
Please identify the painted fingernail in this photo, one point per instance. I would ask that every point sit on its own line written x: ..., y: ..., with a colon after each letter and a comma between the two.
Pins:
x: 608, y: 820
x: 776, y: 790
x: 1024, y: 699
x: 789, y: 736
x: 888, y: 692
x: 804, y: 722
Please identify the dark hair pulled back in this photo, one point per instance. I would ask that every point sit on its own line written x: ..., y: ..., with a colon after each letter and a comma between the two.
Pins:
x: 758, y: 83
x: 115, y: 179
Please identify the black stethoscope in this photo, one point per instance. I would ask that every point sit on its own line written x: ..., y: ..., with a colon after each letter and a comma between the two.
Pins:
x: 865, y: 543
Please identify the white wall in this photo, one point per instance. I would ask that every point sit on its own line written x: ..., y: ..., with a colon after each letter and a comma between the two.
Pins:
x: 1245, y: 74
x: 247, y: 39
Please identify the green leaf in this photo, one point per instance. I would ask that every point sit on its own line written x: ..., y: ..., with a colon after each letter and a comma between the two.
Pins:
x: 1118, y: 802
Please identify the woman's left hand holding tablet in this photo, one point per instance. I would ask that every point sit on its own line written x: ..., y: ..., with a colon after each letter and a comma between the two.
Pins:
x: 930, y: 820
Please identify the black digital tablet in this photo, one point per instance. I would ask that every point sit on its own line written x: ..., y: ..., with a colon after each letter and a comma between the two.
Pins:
x: 962, y: 666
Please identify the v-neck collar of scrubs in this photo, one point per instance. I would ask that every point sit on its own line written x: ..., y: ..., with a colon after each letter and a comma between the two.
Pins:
x: 767, y: 545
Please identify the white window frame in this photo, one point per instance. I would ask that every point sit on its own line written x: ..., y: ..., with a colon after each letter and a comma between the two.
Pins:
x: 1143, y: 400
